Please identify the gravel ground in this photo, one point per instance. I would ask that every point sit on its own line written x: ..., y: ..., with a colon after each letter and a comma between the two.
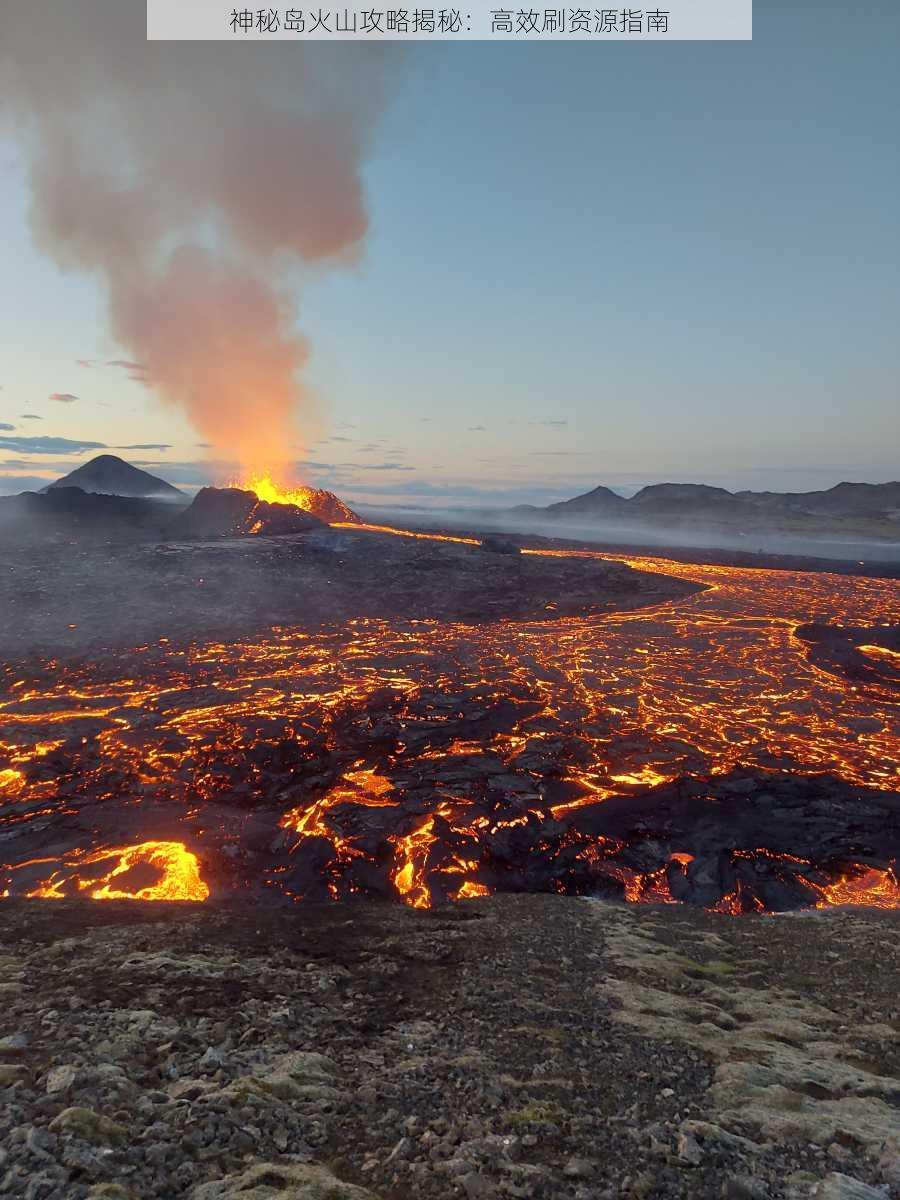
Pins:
x: 519, y: 1046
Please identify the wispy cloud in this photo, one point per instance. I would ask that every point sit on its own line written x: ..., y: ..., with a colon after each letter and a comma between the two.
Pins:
x: 62, y: 397
x: 135, y: 370
x: 477, y: 429
x: 146, y: 446
x: 384, y: 466
x: 549, y: 424
x: 48, y: 445
x: 3, y: 425
x: 85, y: 362
x: 29, y: 417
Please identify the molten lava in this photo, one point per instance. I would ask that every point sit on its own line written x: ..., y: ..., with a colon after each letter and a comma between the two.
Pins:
x: 317, y: 501
x: 422, y: 758
x: 174, y: 872
x: 267, y: 489
x: 874, y: 888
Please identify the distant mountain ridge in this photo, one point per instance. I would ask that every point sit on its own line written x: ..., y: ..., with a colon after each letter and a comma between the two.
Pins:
x: 109, y: 475
x: 872, y: 507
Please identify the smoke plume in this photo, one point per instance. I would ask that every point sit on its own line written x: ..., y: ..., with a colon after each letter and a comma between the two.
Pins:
x: 195, y: 179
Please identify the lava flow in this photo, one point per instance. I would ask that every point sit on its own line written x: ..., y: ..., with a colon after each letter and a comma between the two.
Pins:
x: 694, y: 752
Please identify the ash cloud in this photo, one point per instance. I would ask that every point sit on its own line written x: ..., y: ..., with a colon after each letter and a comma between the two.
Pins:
x: 194, y: 179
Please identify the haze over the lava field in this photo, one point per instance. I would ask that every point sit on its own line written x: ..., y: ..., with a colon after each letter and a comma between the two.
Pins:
x: 583, y: 263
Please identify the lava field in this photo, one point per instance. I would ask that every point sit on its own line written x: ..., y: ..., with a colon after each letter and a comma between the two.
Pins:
x: 736, y: 748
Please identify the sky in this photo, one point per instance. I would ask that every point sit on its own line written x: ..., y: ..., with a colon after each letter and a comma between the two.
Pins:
x: 586, y: 264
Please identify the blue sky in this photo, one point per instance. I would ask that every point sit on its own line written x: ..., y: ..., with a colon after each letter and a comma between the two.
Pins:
x: 619, y: 264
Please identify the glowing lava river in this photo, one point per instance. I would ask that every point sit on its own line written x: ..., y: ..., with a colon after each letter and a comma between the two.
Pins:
x: 707, y: 751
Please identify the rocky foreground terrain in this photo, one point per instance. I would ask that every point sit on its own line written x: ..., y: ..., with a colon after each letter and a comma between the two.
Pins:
x: 79, y: 596
x: 522, y: 1047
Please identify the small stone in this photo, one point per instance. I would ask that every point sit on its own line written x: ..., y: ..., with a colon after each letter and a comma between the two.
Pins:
x: 842, y: 1187
x: 475, y: 1186
x: 578, y: 1168
x: 61, y: 1079
x: 90, y: 1126
x: 744, y: 1187
x: 403, y: 1149
x: 13, y: 1045
x: 212, y: 1060
x: 689, y: 1151
x: 294, y: 1182
x: 39, y: 1141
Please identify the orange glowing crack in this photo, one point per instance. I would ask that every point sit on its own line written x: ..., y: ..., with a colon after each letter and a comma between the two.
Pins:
x: 873, y: 888
x: 408, y: 875
x: 178, y: 867
x: 365, y: 786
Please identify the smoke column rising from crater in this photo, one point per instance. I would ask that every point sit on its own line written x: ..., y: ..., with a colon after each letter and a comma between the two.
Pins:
x: 194, y: 180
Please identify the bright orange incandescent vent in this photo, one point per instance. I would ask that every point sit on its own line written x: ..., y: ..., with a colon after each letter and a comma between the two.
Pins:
x: 268, y: 490
x: 146, y: 871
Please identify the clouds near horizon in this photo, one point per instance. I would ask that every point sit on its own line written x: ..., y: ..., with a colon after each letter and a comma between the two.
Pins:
x: 49, y: 445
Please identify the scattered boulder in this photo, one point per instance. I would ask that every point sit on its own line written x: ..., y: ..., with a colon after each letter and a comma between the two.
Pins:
x: 842, y: 1187
x: 496, y: 544
x: 89, y: 1126
x: 266, y: 1181
x: 61, y: 1079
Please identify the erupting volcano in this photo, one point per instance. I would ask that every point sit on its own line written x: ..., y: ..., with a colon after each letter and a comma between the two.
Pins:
x: 322, y: 504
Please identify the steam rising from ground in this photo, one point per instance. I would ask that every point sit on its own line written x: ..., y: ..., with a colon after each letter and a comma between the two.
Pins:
x: 193, y: 179
x: 842, y: 548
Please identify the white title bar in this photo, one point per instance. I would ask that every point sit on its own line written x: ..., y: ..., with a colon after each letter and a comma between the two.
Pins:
x: 666, y: 21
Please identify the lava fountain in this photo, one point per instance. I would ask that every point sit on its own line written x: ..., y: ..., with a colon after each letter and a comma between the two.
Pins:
x: 318, y: 501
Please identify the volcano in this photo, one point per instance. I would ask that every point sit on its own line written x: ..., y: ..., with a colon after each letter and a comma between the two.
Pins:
x: 234, y: 512
x: 109, y: 475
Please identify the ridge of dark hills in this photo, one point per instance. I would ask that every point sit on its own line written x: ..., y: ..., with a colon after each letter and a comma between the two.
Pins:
x: 862, y: 505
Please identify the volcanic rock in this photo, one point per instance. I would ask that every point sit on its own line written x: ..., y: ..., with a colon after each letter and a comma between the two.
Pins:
x: 756, y: 1040
x: 266, y: 1181
x: 328, y: 507
x: 496, y: 544
x: 868, y: 653
x: 843, y: 1187
x: 233, y: 512
x: 68, y: 510
x: 89, y: 1126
